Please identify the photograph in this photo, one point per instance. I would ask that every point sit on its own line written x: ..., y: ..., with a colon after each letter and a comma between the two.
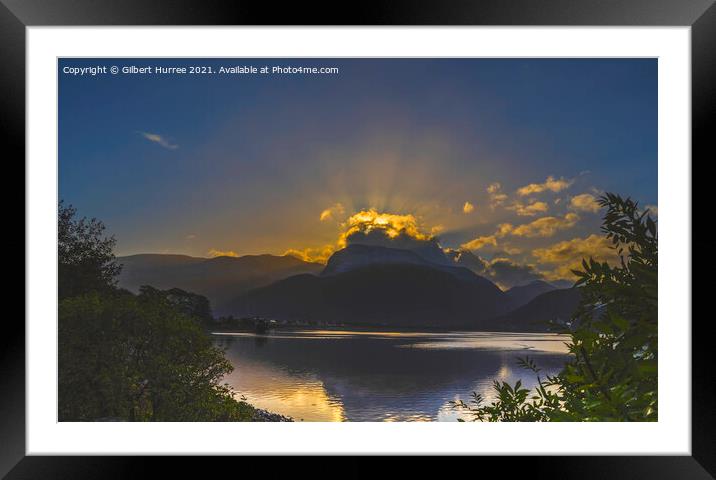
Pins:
x: 357, y: 239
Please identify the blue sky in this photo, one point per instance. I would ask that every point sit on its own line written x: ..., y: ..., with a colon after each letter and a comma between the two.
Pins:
x: 248, y: 163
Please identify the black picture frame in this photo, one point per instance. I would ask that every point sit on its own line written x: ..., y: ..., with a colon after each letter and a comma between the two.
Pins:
x: 700, y: 15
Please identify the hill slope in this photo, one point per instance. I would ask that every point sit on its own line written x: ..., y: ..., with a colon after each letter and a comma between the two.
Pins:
x: 220, y: 279
x: 536, y: 314
x: 522, y: 294
x: 380, y: 294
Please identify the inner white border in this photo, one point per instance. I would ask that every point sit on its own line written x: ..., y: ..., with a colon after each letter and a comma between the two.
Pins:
x: 671, y: 435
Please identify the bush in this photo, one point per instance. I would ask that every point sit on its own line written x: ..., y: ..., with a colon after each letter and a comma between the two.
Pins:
x: 612, y: 375
x: 128, y: 357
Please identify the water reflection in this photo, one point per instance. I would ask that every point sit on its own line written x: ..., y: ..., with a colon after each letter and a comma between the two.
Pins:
x: 326, y: 375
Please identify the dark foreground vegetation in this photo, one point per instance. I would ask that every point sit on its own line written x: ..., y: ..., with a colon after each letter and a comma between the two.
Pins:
x: 613, y: 372
x: 127, y: 357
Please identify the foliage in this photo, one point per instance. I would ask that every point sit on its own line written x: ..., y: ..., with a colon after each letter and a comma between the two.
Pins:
x: 85, y: 259
x: 138, y: 358
x: 132, y: 357
x: 191, y: 304
x: 612, y: 375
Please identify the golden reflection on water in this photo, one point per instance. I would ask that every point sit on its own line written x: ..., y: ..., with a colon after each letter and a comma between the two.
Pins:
x: 292, y: 380
x: 305, y: 399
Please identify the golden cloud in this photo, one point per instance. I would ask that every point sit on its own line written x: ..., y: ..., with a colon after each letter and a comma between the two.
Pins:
x: 367, y: 222
x: 586, y: 202
x: 315, y: 255
x: 542, y: 227
x: 568, y: 255
x: 551, y: 184
x: 390, y: 224
x: 221, y: 253
x: 480, y: 242
x: 437, y: 229
x: 468, y: 207
x: 496, y: 196
x: 545, y: 226
x: 529, y: 210
x: 331, y: 212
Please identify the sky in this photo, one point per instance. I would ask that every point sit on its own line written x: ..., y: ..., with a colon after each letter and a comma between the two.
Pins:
x: 500, y: 157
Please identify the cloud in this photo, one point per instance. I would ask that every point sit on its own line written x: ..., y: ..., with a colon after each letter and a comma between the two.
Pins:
x: 483, y: 241
x: 529, y: 210
x: 545, y: 226
x: 467, y: 259
x: 567, y: 255
x: 221, y: 253
x: 507, y: 273
x: 468, y: 207
x: 497, y: 198
x: 331, y: 212
x: 585, y: 202
x: 158, y: 139
x: 551, y: 184
x: 371, y: 227
x: 390, y: 225
x: 316, y: 255
x: 542, y: 227
x: 507, y: 250
x: 653, y: 210
x: 480, y: 242
x: 503, y: 271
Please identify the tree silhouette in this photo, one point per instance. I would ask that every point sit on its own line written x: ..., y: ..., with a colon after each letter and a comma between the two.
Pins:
x: 85, y: 259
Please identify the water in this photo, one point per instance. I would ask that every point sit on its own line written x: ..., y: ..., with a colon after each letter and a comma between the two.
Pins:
x: 342, y: 375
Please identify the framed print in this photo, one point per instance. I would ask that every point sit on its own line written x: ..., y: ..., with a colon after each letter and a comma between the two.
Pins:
x: 415, y: 231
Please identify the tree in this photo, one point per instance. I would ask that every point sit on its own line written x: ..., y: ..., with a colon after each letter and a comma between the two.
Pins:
x: 85, y: 259
x: 132, y: 357
x: 612, y: 375
x: 137, y: 357
x: 191, y: 304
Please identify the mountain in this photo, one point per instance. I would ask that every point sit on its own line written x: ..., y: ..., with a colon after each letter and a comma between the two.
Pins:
x: 360, y: 285
x: 393, y: 293
x: 522, y: 294
x: 535, y: 315
x: 359, y: 256
x: 220, y: 279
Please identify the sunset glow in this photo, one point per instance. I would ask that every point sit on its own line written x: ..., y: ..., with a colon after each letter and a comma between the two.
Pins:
x: 313, y: 163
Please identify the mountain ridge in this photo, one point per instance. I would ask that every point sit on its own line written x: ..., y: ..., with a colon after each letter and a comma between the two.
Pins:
x: 218, y: 278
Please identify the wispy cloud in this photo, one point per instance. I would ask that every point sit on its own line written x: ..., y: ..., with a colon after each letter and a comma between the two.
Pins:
x: 468, y: 207
x: 497, y: 197
x: 159, y: 140
x: 332, y: 212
